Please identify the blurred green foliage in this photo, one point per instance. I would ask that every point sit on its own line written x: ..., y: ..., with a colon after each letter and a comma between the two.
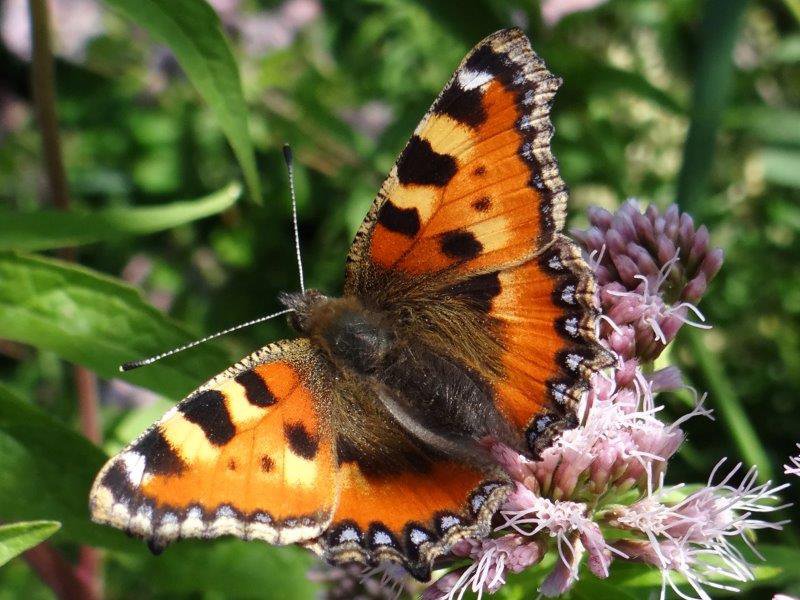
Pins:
x: 346, y: 83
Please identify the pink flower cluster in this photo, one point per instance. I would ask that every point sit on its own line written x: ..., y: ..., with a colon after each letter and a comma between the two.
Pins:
x: 607, y: 474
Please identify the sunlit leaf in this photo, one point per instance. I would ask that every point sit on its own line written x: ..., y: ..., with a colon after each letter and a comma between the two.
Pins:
x: 15, y: 538
x: 97, y: 321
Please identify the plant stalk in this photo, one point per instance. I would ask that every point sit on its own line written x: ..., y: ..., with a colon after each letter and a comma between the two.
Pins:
x: 44, y: 99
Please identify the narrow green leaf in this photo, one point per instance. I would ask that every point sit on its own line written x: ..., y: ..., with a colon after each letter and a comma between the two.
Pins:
x: 712, y: 82
x: 767, y: 123
x: 193, y: 32
x: 18, y: 537
x: 96, y: 321
x: 728, y: 406
x: 47, y: 470
x: 794, y: 8
x: 47, y: 229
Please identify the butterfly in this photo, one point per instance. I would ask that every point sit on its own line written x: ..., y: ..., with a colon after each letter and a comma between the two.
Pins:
x: 466, y: 316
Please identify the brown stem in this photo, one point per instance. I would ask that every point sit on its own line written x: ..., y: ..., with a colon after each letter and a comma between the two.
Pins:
x: 56, y: 572
x: 44, y: 99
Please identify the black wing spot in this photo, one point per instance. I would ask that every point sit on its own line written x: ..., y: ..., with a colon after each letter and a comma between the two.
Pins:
x: 161, y: 457
x: 116, y: 479
x: 301, y: 442
x: 465, y: 106
x: 482, y: 204
x: 479, y: 171
x: 460, y: 244
x: 207, y: 409
x: 420, y: 165
x: 486, y: 60
x: 255, y: 389
x: 267, y: 464
x: 404, y: 221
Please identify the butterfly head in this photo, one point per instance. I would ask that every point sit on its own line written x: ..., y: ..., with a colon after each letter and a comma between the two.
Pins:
x: 303, y: 306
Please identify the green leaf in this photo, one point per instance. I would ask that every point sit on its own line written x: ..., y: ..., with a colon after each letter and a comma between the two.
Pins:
x: 193, y: 32
x: 220, y: 568
x: 712, y: 83
x: 47, y: 229
x: 18, y: 537
x: 96, y: 321
x: 730, y: 409
x: 769, y: 124
x: 47, y: 471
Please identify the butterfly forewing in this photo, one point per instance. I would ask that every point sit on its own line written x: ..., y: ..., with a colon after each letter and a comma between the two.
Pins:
x: 466, y: 231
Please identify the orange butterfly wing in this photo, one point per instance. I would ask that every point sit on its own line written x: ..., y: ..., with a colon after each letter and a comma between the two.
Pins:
x: 247, y: 454
x: 411, y: 517
x: 472, y: 210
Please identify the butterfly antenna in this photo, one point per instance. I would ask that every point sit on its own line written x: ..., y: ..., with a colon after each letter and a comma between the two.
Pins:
x: 135, y: 364
x: 287, y: 156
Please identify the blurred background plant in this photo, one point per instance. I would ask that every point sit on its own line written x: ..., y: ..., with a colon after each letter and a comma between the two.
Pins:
x: 687, y: 101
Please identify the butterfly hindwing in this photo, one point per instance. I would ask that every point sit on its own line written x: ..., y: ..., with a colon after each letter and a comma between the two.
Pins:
x: 247, y: 454
x: 411, y: 517
x: 465, y: 232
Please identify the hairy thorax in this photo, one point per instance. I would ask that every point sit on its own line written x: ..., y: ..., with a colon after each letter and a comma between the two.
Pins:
x: 439, y: 402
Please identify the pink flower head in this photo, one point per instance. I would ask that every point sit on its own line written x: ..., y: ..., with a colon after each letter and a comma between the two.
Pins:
x: 492, y: 559
x: 793, y: 468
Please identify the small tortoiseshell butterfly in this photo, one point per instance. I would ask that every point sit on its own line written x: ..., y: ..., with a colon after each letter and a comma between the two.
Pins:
x: 466, y: 315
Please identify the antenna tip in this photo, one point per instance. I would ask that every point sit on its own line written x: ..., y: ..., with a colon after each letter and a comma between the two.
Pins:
x: 287, y: 154
x: 129, y: 366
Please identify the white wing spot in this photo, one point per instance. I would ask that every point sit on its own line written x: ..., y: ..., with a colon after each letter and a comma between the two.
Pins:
x: 381, y: 538
x: 573, y: 360
x: 477, y: 502
x: 418, y: 536
x: 449, y: 521
x: 134, y: 466
x: 469, y: 80
x: 348, y: 535
x: 571, y: 326
x: 560, y: 392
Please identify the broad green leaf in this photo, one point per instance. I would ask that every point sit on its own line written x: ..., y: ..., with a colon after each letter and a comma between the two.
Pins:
x: 223, y: 568
x: 94, y: 320
x: 46, y: 229
x: 47, y: 470
x: 193, y: 32
x: 15, y: 538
